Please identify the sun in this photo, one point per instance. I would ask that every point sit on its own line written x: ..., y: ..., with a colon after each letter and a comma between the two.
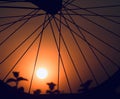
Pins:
x: 41, y: 73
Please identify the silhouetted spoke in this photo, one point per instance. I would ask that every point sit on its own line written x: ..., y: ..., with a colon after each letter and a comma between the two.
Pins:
x: 96, y: 36
x: 12, y: 52
x: 9, y: 1
x: 5, y: 2
x: 34, y: 15
x: 85, y: 39
x: 82, y: 55
x: 59, y: 46
x: 102, y: 7
x: 77, y: 14
x: 16, y: 29
x: 20, y: 58
x: 14, y: 22
x: 13, y: 7
x: 60, y: 56
x: 13, y: 0
x: 19, y: 20
x: 25, y: 52
x: 92, y: 12
x: 38, y: 50
x: 69, y: 52
x: 68, y: 2
x: 76, y: 41
x: 100, y: 52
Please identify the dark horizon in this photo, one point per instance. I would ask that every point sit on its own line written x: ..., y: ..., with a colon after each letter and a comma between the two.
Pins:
x: 75, y: 42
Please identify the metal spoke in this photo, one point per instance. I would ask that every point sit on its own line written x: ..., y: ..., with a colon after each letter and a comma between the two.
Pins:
x: 92, y: 12
x: 70, y: 37
x: 12, y: 7
x: 85, y: 39
x: 96, y: 36
x: 38, y: 50
x: 16, y: 29
x: 23, y: 42
x: 117, y: 65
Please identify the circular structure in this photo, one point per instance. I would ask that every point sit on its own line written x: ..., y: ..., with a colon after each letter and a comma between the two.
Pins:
x: 76, y: 41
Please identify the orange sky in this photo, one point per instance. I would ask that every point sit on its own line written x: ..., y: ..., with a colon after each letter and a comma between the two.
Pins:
x: 48, y: 53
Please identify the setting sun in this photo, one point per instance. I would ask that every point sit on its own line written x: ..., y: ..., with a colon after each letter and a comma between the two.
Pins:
x: 41, y: 73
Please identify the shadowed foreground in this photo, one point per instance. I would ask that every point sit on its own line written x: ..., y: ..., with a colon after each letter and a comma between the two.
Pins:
x: 106, y: 90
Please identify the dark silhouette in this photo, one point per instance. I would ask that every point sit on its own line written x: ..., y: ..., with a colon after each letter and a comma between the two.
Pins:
x: 37, y: 92
x: 16, y: 79
x: 50, y: 6
x: 21, y: 90
x: 52, y: 89
x: 85, y: 86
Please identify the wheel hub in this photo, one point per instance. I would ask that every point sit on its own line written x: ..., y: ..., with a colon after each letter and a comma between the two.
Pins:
x: 50, y: 6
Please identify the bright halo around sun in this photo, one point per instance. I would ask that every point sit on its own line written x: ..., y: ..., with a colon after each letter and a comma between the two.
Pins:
x: 41, y: 73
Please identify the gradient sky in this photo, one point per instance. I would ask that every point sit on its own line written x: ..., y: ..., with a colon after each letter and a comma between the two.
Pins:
x: 101, y: 32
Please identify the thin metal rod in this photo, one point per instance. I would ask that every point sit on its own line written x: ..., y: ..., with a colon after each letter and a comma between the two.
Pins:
x: 17, y: 16
x: 93, y: 75
x: 19, y: 7
x: 16, y: 30
x: 78, y: 14
x: 62, y: 63
x: 12, y: 52
x: 87, y: 44
x: 37, y: 54
x: 96, y: 36
x: 101, y: 53
x: 92, y: 12
x: 23, y: 54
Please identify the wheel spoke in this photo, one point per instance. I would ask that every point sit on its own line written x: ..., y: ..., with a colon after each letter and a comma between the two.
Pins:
x: 117, y: 65
x: 76, y: 40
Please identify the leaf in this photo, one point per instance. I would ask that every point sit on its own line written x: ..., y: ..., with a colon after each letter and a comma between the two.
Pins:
x: 49, y: 92
x: 16, y: 74
x: 86, y: 84
x: 21, y: 78
x: 11, y: 80
x: 21, y: 89
x: 51, y: 85
x: 56, y: 92
x: 37, y: 92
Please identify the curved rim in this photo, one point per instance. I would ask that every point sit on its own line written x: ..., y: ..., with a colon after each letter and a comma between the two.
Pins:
x: 67, y: 18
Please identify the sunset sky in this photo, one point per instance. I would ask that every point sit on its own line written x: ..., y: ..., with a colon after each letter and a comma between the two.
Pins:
x: 81, y: 43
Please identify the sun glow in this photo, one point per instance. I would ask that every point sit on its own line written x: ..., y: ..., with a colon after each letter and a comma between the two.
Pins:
x: 41, y: 73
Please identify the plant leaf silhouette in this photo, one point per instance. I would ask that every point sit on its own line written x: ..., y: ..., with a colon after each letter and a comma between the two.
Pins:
x: 17, y: 79
x: 21, y: 78
x: 56, y: 92
x: 21, y: 90
x: 11, y: 80
x: 16, y: 74
x: 85, y: 86
x: 37, y: 92
x: 52, y: 88
x: 51, y: 85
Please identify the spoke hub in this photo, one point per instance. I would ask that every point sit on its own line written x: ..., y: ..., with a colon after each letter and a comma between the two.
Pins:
x: 50, y: 6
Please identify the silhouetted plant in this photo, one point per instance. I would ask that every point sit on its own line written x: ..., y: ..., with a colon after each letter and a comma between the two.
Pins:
x: 37, y: 92
x: 21, y: 90
x: 16, y: 79
x: 52, y: 89
x: 85, y: 86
